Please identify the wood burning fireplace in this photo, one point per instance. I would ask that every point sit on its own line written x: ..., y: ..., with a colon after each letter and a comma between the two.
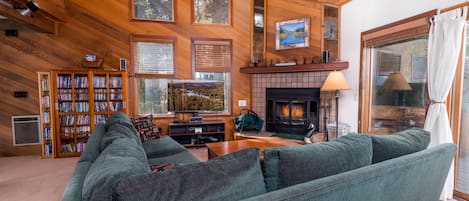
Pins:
x: 291, y: 110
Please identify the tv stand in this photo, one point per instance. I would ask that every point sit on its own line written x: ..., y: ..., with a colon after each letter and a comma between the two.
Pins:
x: 197, y: 134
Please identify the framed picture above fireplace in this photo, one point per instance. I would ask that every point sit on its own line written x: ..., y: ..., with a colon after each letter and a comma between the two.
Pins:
x: 292, y: 34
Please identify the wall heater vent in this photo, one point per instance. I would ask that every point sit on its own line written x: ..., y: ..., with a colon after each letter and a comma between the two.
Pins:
x: 26, y: 130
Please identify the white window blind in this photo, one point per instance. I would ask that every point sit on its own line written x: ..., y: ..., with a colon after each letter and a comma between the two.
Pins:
x: 154, y: 57
x: 212, y: 55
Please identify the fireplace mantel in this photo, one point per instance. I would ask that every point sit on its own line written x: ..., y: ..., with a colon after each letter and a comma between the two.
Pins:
x: 296, y: 68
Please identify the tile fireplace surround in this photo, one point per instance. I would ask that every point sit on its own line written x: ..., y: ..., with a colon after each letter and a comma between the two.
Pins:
x: 260, y: 82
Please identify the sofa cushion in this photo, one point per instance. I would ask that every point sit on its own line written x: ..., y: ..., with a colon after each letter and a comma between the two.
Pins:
x: 119, y: 126
x: 122, y: 158
x: 164, y: 146
x: 405, y: 142
x: 286, y: 166
x: 145, y: 128
x: 118, y: 117
x: 231, y: 177
x: 92, y: 150
x: 180, y: 158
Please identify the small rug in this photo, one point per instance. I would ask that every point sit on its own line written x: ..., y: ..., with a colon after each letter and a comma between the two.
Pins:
x: 289, y: 136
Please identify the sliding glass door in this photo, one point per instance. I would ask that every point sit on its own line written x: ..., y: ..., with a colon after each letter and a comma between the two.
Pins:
x: 462, y: 180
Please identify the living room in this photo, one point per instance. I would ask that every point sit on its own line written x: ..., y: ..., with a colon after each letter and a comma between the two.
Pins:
x: 56, y: 38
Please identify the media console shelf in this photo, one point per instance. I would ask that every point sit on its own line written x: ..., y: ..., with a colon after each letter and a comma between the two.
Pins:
x: 197, y: 134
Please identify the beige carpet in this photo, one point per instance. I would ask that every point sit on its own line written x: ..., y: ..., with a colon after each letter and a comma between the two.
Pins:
x: 30, y: 178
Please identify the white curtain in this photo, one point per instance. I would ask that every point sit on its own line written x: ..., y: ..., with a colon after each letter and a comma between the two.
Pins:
x: 444, y: 46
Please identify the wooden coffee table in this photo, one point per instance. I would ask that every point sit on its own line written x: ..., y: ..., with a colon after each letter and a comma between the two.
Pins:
x: 222, y: 148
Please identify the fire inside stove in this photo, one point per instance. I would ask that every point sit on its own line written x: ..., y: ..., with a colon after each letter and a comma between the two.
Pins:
x: 297, y: 114
x: 297, y: 111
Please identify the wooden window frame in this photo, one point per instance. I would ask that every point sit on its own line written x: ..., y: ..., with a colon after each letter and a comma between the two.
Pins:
x: 229, y: 70
x: 230, y: 15
x: 400, y: 30
x: 133, y: 96
x: 133, y: 18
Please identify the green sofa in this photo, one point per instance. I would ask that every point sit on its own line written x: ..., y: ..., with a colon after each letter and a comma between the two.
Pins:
x: 115, y: 166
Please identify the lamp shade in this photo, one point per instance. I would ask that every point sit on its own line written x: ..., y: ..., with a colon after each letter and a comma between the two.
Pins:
x: 335, y: 81
x: 395, y: 82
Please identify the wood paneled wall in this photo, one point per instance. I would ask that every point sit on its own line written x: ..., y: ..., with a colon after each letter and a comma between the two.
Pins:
x: 97, y: 26
x: 281, y: 10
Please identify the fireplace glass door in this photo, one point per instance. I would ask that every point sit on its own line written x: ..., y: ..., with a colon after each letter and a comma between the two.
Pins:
x: 292, y: 110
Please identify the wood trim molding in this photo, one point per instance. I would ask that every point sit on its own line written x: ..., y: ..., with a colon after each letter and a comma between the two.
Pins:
x: 401, y: 35
x: 401, y: 22
x: 455, y: 7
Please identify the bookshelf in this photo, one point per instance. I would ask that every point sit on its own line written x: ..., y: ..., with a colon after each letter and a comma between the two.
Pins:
x: 45, y: 100
x: 83, y: 99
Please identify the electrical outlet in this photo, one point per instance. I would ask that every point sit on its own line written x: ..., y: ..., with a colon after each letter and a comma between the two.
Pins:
x: 242, y: 103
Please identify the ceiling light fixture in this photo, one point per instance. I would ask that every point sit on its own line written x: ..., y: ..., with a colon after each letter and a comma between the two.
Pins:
x: 30, y: 8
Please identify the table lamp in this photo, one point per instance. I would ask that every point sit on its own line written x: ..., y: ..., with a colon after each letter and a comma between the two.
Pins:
x: 335, y: 81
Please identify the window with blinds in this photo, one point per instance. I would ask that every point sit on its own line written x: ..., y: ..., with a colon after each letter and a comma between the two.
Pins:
x: 154, y: 57
x: 212, y: 55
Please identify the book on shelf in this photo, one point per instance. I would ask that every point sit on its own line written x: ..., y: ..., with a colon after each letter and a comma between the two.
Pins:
x: 81, y: 81
x: 100, y: 97
x: 66, y: 107
x: 81, y: 146
x: 100, y: 106
x: 83, y: 131
x: 83, y: 106
x: 46, y: 133
x: 116, y: 106
x: 115, y: 82
x: 100, y: 118
x: 67, y: 148
x: 67, y: 120
x: 44, y: 85
x: 115, y: 96
x: 99, y: 81
x: 64, y: 81
x: 83, y: 119
x: 45, y: 117
x: 45, y: 101
x: 48, y: 149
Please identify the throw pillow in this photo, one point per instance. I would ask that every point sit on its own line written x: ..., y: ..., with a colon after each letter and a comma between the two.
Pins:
x: 394, y: 145
x: 146, y: 128
x: 286, y: 166
x: 234, y: 176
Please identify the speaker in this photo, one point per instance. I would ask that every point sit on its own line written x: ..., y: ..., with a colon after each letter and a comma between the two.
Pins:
x: 123, y: 64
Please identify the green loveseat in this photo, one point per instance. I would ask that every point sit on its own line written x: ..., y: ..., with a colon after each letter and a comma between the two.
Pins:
x: 115, y: 166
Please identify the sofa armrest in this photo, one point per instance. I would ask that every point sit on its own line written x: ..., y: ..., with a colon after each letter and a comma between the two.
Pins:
x: 417, y: 176
x: 73, y: 190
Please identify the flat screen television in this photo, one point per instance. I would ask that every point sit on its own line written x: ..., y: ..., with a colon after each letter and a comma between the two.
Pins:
x: 196, y: 96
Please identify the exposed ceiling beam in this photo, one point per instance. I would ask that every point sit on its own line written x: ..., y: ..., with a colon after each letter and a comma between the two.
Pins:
x: 39, y: 22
